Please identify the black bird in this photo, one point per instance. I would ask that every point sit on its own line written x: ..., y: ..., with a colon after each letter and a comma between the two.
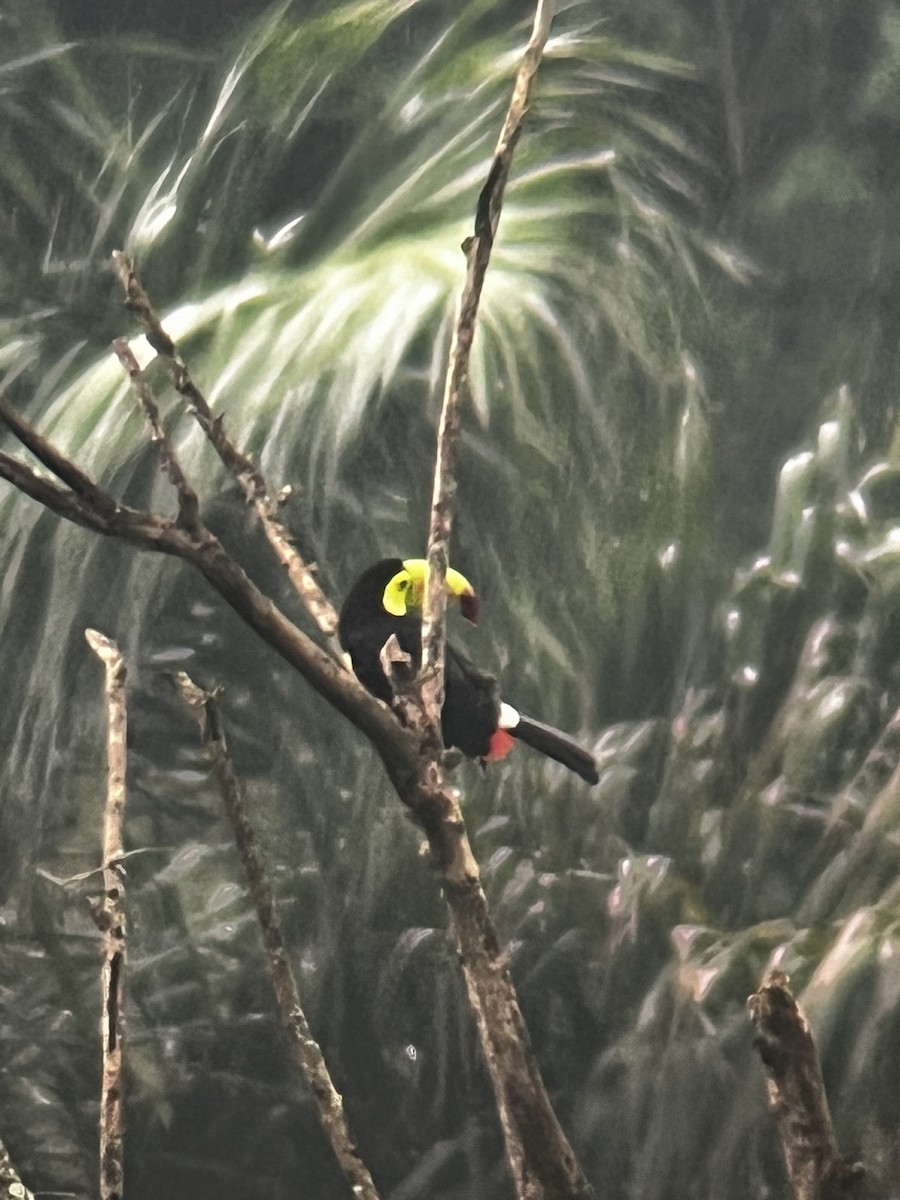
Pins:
x: 387, y: 599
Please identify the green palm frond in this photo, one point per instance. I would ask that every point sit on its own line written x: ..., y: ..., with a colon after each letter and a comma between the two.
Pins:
x: 324, y: 350
x: 373, y: 260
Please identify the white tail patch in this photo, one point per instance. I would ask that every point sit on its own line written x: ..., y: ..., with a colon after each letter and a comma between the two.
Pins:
x: 509, y: 718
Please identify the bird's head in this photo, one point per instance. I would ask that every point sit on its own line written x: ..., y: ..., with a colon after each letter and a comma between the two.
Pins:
x: 405, y: 590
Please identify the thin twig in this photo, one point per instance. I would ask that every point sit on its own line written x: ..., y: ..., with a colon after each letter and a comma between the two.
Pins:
x: 478, y: 253
x: 242, y: 468
x: 110, y: 917
x: 797, y: 1096
x: 306, y: 1049
x: 65, y: 881
x: 11, y: 1186
x: 188, y: 504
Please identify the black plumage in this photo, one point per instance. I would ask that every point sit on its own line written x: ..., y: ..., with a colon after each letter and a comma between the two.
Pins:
x: 471, y: 714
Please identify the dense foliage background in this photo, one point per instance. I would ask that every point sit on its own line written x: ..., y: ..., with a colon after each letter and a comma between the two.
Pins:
x: 679, y: 499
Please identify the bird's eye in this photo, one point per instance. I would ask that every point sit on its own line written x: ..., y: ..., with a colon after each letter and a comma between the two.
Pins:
x: 403, y: 585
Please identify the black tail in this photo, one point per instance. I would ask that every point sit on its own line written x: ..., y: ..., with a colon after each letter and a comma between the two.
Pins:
x: 549, y: 741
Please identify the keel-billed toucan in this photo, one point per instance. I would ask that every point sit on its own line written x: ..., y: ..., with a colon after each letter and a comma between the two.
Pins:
x: 387, y: 599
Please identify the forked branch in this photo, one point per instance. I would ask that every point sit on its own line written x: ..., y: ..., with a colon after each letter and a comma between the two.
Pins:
x: 239, y: 465
x: 85, y: 503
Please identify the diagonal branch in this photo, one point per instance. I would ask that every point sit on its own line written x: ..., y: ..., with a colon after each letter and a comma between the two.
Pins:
x: 59, y: 500
x: 188, y: 503
x: 89, y: 506
x: 478, y: 254
x: 306, y: 1049
x: 242, y: 468
x: 203, y: 550
x: 63, y: 468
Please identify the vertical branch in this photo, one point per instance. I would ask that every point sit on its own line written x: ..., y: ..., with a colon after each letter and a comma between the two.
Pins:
x: 797, y: 1096
x: 540, y: 1159
x: 11, y: 1186
x: 110, y: 917
x: 306, y: 1050
x: 478, y: 254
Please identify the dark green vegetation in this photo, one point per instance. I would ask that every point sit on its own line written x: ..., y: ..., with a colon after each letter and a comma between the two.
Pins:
x: 698, y: 252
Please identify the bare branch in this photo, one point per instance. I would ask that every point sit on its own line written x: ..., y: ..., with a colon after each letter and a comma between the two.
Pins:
x: 203, y: 550
x: 188, y: 504
x: 110, y: 917
x: 306, y: 1049
x: 59, y: 500
x: 538, y: 1153
x: 83, y: 502
x: 245, y: 472
x: 540, y: 1158
x: 11, y: 1186
x: 542, y: 1161
x: 478, y: 253
x: 64, y: 469
x: 797, y: 1096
